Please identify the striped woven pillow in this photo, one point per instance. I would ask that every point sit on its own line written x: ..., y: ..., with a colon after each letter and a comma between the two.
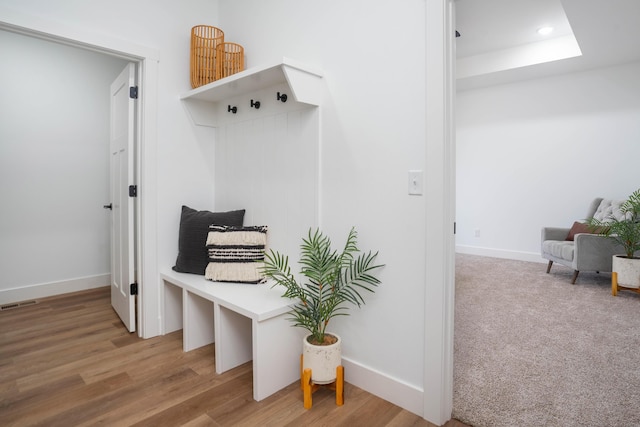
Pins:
x: 236, y: 254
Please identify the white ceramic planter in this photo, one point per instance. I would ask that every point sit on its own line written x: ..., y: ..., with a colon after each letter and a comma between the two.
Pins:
x: 628, y: 270
x: 322, y: 360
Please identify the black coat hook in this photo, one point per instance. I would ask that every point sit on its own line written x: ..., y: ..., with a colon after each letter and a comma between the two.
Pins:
x: 233, y: 109
x: 256, y: 104
x: 282, y: 97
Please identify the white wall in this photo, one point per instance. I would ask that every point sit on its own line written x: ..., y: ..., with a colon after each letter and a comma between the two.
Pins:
x: 372, y: 132
x: 54, y: 167
x: 266, y: 162
x: 184, y: 153
x: 536, y: 153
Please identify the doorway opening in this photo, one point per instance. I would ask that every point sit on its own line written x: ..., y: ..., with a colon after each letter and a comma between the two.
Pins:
x: 146, y: 73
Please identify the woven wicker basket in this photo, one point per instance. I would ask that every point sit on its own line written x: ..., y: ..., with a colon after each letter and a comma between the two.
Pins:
x: 230, y: 59
x: 204, y: 42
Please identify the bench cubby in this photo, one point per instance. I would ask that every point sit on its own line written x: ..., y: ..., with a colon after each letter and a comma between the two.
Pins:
x: 246, y: 322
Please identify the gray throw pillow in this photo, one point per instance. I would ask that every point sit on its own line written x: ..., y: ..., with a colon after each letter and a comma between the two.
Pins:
x: 192, y: 242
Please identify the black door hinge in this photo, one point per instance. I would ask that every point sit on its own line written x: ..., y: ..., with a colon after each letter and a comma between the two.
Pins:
x: 134, y: 289
x: 133, y: 191
x: 454, y: 228
x: 133, y: 92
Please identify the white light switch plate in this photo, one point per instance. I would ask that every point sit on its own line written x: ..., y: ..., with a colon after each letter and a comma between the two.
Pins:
x: 415, y: 182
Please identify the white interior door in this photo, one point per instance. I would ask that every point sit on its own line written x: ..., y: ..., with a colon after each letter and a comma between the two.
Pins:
x: 122, y: 139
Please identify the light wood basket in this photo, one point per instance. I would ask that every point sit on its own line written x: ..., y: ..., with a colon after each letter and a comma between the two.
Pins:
x: 204, y: 42
x: 230, y: 59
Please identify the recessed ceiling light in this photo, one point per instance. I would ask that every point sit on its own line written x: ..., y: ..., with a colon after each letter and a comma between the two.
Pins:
x: 545, y: 30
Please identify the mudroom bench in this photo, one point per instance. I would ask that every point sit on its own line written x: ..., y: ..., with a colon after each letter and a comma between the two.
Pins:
x: 246, y: 322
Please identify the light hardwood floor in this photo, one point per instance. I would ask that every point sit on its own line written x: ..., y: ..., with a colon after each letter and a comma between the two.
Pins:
x: 68, y: 361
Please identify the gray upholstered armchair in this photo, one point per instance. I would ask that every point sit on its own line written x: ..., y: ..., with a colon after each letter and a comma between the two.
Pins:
x: 576, y: 248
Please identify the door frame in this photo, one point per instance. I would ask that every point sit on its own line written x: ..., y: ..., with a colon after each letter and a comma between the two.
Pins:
x: 148, y: 315
x: 440, y: 211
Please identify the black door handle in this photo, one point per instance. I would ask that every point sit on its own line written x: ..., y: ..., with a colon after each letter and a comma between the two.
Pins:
x: 109, y: 206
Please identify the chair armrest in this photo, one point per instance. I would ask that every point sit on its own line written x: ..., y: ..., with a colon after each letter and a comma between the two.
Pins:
x: 554, y: 233
x: 594, y: 252
x: 586, y: 241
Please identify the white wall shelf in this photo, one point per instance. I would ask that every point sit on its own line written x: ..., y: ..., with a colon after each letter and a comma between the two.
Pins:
x: 205, y: 103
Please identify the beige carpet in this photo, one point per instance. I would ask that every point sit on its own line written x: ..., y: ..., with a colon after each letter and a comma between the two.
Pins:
x: 533, y: 350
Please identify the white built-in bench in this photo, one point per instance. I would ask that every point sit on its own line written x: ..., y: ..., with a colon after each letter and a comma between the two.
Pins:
x: 246, y: 322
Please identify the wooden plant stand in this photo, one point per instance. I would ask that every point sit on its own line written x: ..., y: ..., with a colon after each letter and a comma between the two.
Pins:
x: 615, y: 287
x: 308, y: 387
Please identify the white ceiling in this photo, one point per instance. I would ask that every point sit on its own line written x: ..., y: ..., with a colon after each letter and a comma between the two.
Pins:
x: 606, y: 31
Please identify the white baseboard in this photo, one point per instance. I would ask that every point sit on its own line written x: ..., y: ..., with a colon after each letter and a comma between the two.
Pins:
x: 43, y: 290
x: 391, y: 389
x: 500, y: 253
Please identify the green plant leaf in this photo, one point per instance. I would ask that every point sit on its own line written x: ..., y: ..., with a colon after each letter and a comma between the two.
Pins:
x: 330, y: 279
x: 626, y: 231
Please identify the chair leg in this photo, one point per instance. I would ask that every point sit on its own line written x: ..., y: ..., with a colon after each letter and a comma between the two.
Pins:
x: 549, y: 266
x: 575, y: 276
x: 614, y: 284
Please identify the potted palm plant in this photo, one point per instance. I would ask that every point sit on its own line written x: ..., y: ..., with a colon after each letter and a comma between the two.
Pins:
x: 330, y: 280
x: 625, y: 230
